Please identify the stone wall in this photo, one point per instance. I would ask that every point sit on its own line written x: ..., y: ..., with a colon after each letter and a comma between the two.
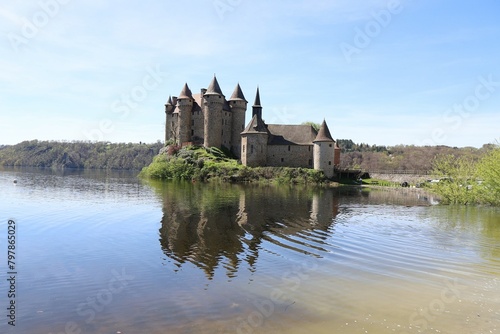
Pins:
x: 290, y: 155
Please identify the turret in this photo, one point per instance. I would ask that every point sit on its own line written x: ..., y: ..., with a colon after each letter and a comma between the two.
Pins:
x: 213, y: 101
x: 238, y: 105
x: 169, y: 108
x: 324, y: 151
x: 185, y: 105
x: 254, y: 138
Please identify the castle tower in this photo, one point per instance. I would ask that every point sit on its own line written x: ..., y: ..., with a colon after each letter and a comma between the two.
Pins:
x: 169, y: 109
x: 238, y: 105
x: 185, y: 104
x: 324, y: 151
x: 254, y: 138
x: 213, y: 102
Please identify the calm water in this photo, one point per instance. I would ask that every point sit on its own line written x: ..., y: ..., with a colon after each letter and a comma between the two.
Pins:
x: 107, y: 253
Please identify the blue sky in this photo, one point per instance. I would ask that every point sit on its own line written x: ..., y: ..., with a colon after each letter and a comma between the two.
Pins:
x: 380, y: 72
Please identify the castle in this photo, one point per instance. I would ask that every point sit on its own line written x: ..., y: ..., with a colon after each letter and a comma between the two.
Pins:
x: 208, y: 119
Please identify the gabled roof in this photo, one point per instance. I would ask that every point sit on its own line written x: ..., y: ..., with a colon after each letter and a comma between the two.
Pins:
x: 238, y: 94
x: 185, y: 93
x: 281, y: 134
x: 324, y: 133
x: 256, y: 125
x: 214, y: 88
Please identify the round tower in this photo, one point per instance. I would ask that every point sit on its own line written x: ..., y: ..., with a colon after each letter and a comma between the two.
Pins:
x: 324, y: 151
x: 213, y: 102
x: 185, y: 105
x: 238, y: 105
x: 169, y: 109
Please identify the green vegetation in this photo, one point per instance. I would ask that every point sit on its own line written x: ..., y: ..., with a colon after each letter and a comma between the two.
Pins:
x: 401, y: 157
x: 78, y: 154
x: 203, y: 164
x: 464, y: 180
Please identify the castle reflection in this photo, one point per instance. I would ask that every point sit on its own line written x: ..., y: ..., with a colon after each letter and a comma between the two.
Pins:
x: 225, y: 225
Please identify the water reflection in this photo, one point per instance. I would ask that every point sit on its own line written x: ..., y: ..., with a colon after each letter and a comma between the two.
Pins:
x: 213, y: 225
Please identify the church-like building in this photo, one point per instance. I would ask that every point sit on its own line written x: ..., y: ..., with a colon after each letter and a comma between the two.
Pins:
x: 209, y: 119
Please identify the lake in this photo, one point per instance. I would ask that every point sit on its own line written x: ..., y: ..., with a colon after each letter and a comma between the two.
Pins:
x: 106, y: 252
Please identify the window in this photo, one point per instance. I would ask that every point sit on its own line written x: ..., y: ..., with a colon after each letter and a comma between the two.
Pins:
x: 309, y: 147
x: 329, y: 163
x: 192, y: 122
x: 192, y: 132
x: 282, y: 159
x: 251, y: 149
x: 330, y: 145
x: 310, y: 162
x: 288, y: 147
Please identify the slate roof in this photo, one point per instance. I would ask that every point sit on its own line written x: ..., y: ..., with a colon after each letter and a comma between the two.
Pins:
x: 185, y: 93
x: 256, y: 125
x: 214, y: 88
x: 281, y: 134
x: 238, y: 94
x: 257, y: 99
x: 169, y: 102
x: 324, y: 133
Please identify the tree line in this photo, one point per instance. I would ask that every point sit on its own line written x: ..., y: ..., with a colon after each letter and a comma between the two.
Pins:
x: 401, y: 157
x: 106, y: 155
x: 79, y: 154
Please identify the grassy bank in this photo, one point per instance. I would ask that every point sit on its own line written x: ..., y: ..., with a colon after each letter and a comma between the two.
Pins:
x: 209, y: 164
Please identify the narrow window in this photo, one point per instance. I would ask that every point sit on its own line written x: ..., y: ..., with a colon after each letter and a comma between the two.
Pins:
x: 330, y: 145
x: 282, y: 160
x: 309, y: 147
x: 329, y: 163
x: 289, y: 147
x: 251, y: 149
x: 192, y: 132
x: 192, y: 122
x: 310, y: 162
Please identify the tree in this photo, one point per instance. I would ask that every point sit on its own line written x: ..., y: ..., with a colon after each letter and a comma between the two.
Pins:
x: 488, y: 171
x: 315, y: 126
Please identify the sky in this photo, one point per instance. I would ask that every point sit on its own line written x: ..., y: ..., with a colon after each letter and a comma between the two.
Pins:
x: 383, y: 72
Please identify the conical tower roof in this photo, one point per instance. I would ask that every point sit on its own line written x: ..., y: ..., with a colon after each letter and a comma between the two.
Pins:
x: 214, y: 88
x: 323, y: 133
x: 257, y: 99
x: 238, y: 94
x: 185, y: 93
x: 169, y: 102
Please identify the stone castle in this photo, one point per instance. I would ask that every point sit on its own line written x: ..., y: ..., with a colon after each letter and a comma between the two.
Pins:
x: 208, y: 119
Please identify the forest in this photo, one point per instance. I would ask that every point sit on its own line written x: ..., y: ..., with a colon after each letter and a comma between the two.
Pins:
x: 79, y: 154
x: 409, y: 158
x: 135, y: 156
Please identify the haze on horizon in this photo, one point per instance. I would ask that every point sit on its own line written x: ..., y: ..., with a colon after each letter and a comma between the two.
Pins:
x: 380, y: 72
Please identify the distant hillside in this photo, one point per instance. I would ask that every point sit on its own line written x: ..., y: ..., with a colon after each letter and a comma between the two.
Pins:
x: 400, y: 157
x: 100, y: 155
x: 103, y: 155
